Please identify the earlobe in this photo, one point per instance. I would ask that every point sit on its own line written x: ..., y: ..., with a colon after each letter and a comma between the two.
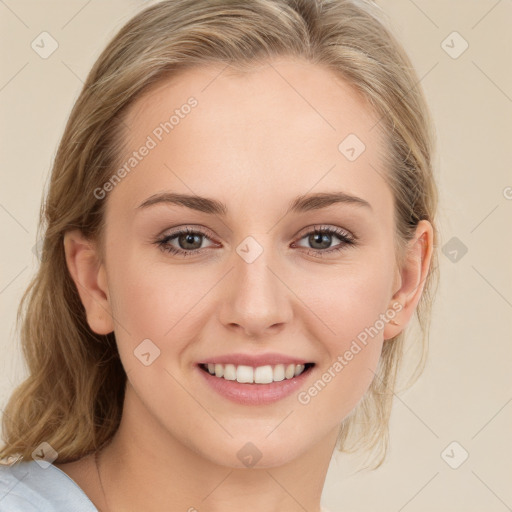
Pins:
x: 89, y: 276
x: 412, y: 278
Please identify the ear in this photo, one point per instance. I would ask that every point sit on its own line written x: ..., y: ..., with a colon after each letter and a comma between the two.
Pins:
x: 89, y: 276
x: 410, y: 278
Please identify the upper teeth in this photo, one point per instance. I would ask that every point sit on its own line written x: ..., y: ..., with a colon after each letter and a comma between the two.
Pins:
x: 258, y: 375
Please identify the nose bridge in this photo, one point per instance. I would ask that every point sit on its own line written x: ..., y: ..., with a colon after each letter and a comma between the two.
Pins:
x: 256, y: 299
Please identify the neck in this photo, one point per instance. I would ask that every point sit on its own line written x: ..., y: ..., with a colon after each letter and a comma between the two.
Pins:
x: 174, y: 476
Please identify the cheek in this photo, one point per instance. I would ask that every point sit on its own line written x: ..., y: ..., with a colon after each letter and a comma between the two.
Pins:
x: 352, y: 346
x: 159, y: 302
x: 340, y: 385
x: 349, y: 302
x: 148, y: 292
x: 350, y: 316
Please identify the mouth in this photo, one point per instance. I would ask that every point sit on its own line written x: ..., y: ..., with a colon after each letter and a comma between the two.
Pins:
x: 259, y: 375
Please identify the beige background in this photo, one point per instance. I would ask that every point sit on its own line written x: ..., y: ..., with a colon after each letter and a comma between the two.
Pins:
x: 465, y: 393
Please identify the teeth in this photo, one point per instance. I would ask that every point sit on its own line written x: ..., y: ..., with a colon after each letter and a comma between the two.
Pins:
x: 279, y: 372
x: 263, y: 375
x: 290, y: 371
x: 245, y: 374
x: 259, y: 375
x: 230, y: 372
x: 219, y: 370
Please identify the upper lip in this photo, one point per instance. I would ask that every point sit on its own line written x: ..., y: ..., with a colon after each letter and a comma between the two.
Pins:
x: 254, y: 359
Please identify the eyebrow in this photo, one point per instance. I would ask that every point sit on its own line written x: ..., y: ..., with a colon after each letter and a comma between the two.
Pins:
x: 303, y: 203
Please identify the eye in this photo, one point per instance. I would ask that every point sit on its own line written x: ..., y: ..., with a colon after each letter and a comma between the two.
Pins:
x: 188, y: 241
x: 322, y: 237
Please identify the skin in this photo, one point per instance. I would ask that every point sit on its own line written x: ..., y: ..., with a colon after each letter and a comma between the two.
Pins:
x: 254, y: 142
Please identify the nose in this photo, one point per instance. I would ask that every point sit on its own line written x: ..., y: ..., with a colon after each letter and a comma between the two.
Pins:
x: 256, y: 299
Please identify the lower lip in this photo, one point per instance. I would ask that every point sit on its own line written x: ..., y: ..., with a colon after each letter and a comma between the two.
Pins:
x: 254, y: 394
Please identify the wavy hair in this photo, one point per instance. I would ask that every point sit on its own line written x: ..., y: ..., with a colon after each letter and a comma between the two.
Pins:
x: 73, y: 396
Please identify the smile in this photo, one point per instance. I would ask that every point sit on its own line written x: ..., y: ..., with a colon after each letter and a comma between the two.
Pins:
x: 255, y: 386
x: 258, y: 375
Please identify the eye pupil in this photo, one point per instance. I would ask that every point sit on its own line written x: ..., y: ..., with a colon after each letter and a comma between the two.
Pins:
x: 321, y: 237
x: 188, y: 239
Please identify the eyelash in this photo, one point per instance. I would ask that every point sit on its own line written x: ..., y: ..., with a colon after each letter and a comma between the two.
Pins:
x: 346, y: 239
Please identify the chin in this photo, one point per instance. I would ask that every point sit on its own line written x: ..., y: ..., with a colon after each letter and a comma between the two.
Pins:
x: 256, y: 452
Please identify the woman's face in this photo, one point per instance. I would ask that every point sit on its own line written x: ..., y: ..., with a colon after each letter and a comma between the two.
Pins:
x: 254, y: 279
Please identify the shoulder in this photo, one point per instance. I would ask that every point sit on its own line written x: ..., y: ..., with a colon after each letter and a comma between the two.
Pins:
x: 29, y: 487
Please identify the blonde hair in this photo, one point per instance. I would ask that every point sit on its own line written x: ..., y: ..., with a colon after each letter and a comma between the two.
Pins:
x: 73, y: 396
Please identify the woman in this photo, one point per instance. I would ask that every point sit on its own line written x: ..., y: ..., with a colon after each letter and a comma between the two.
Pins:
x: 239, y: 227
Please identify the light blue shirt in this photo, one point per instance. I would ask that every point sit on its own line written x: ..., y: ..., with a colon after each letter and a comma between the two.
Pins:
x: 28, y: 487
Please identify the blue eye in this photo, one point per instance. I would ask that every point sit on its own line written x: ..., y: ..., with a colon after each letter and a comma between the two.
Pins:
x: 323, y: 236
x: 186, y: 238
x: 190, y: 241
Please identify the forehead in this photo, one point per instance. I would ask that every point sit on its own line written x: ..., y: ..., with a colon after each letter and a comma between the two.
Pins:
x: 284, y: 125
